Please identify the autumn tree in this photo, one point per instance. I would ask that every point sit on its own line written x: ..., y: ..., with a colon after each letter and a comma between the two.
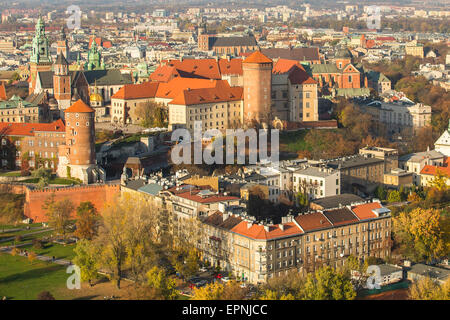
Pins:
x: 152, y: 114
x: 283, y: 287
x: 440, y: 181
x: 186, y: 262
x: 231, y: 290
x: 58, y: 213
x: 429, y: 289
x: 126, y: 234
x: 87, y: 221
x: 158, y: 280
x: 422, y: 234
x: 11, y: 207
x: 87, y: 257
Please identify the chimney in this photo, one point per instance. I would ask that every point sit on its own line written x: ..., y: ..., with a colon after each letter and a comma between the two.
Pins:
x: 281, y: 226
x: 266, y: 228
x: 225, y: 216
x: 249, y: 224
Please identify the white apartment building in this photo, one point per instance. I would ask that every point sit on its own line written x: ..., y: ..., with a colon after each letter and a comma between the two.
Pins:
x: 415, y: 162
x: 317, y: 182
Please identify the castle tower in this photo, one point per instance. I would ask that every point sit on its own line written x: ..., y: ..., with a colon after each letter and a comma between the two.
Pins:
x: 343, y: 57
x: 77, y: 156
x: 62, y: 45
x: 40, y: 59
x: 257, y: 75
x: 95, y: 61
x: 62, y: 83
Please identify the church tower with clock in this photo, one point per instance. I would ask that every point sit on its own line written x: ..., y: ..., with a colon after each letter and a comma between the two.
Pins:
x: 40, y: 59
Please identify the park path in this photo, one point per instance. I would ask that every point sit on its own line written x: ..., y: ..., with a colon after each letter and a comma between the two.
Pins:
x: 27, y: 234
x: 18, y: 229
x: 63, y: 262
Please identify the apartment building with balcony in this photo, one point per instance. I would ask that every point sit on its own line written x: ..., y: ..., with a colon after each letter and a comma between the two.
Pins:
x: 257, y: 251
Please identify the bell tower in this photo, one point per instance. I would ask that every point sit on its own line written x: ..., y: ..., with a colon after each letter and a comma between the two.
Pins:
x: 62, y: 83
x: 40, y: 59
x: 63, y: 45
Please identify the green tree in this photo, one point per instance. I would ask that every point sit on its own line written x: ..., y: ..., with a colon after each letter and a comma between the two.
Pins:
x: 327, y: 284
x: 381, y: 193
x: 44, y: 175
x: 159, y: 281
x: 394, y: 196
x: 87, y: 221
x: 87, y: 257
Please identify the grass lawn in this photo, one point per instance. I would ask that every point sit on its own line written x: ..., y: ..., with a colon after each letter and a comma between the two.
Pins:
x: 16, y: 233
x: 22, y: 280
x: 27, y: 238
x: 11, y: 174
x: 53, y: 249
x: 64, y: 181
x: 293, y: 141
x: 20, y: 225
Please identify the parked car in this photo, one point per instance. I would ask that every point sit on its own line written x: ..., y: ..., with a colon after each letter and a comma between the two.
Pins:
x: 225, y: 279
x: 203, y: 269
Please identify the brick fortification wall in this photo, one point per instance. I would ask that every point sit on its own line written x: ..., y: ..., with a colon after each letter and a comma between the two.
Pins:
x: 97, y: 194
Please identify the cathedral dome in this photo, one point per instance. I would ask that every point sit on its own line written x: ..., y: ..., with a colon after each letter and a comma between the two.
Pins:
x: 52, y: 103
x: 95, y: 97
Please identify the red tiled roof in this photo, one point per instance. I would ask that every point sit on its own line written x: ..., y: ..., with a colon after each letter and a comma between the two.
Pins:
x: 257, y: 57
x: 299, y: 76
x: 313, y: 221
x: 175, y: 86
x: 433, y: 170
x: 221, y: 93
x: 79, y: 106
x: 164, y: 73
x: 285, y: 65
x: 28, y: 129
x: 385, y: 39
x: 257, y: 231
x: 370, y: 43
x: 234, y: 66
x: 137, y: 91
x: 364, y: 211
x: 3, y: 92
x: 196, y: 68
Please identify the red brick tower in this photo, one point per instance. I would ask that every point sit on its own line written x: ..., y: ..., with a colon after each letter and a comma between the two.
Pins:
x: 77, y: 156
x: 80, y: 133
x: 61, y: 82
x: 257, y: 74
